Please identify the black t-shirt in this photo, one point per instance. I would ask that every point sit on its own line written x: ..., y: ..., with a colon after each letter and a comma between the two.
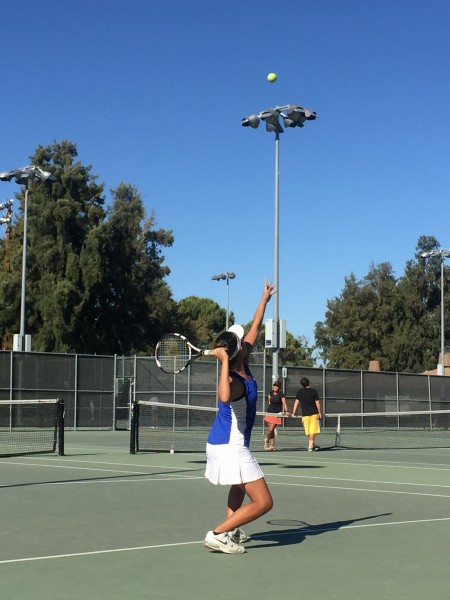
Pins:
x: 275, y: 404
x: 307, y: 397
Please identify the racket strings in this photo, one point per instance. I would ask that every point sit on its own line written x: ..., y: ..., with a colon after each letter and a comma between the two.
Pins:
x: 173, y: 352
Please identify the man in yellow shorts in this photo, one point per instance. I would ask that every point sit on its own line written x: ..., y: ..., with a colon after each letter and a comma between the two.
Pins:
x: 309, y: 401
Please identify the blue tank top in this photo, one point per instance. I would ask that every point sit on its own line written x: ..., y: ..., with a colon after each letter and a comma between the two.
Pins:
x: 235, y: 420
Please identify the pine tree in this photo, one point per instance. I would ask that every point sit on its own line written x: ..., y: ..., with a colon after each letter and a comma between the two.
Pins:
x: 379, y: 317
x: 94, y: 275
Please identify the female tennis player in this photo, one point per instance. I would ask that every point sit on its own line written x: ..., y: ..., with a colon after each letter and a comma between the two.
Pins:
x: 277, y: 404
x: 229, y: 460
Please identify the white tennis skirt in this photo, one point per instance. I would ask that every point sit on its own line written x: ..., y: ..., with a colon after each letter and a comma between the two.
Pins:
x: 231, y: 465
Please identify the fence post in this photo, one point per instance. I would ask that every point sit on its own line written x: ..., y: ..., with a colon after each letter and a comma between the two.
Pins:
x: 75, y: 395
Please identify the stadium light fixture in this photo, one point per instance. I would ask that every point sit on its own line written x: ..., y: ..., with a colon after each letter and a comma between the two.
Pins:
x: 251, y: 121
x: 227, y: 277
x: 442, y: 254
x: 6, y: 218
x: 292, y: 115
x: 6, y: 204
x: 23, y: 176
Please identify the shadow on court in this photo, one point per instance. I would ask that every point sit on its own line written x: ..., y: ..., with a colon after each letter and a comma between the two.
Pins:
x: 296, y: 535
x: 133, y: 476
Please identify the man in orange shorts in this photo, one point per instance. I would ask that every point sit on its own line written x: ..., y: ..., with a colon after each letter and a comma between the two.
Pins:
x: 308, y: 398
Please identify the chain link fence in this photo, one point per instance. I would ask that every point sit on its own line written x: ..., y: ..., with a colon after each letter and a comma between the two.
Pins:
x: 98, y: 390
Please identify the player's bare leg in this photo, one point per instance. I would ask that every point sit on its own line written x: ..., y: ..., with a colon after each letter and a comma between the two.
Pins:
x: 269, y: 442
x: 239, y: 514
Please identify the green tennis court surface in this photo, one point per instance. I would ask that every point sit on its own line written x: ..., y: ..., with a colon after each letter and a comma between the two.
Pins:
x: 100, y: 523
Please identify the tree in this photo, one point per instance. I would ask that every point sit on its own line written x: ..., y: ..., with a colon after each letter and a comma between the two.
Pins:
x: 379, y: 317
x: 358, y: 321
x: 94, y: 276
x: 298, y: 352
x: 59, y: 217
x: 414, y: 344
x: 201, y: 319
x: 128, y: 303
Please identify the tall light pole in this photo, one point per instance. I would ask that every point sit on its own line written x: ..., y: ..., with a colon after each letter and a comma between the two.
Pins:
x: 227, y: 276
x: 23, y: 176
x: 293, y: 116
x: 443, y: 254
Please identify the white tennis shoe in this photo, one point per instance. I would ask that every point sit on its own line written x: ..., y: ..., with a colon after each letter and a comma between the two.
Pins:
x: 239, y: 536
x: 222, y: 542
x: 314, y: 449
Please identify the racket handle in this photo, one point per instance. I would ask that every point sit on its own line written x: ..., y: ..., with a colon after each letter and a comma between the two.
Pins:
x: 208, y: 352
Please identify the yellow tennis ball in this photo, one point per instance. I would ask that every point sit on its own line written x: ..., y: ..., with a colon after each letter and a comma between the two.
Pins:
x: 272, y: 77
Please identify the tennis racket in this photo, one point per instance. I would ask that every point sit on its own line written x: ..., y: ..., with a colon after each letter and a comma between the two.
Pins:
x: 174, y: 353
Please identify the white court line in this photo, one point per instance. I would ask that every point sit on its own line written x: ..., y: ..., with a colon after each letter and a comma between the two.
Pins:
x: 166, y: 478
x: 175, y: 477
x: 354, y: 489
x: 389, y: 464
x: 150, y: 479
x: 65, y: 466
x: 79, y: 468
x: 91, y: 462
x: 358, y: 480
x: 344, y: 462
x: 316, y: 460
x: 182, y: 477
x: 260, y: 535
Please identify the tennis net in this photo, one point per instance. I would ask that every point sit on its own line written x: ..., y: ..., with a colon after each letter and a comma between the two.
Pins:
x: 162, y: 427
x: 31, y: 426
x: 407, y: 429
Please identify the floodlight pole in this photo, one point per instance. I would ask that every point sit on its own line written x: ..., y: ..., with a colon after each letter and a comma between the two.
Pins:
x: 24, y: 267
x: 23, y: 176
x: 441, y: 365
x: 228, y: 304
x: 227, y: 276
x: 442, y: 254
x: 276, y: 258
x: 293, y: 116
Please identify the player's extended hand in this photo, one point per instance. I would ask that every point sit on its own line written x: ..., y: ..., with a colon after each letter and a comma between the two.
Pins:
x: 269, y: 289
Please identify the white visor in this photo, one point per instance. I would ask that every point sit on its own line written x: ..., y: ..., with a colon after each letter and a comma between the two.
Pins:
x: 238, y: 330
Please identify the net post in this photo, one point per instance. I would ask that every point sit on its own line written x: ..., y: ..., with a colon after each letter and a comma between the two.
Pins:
x: 133, y: 426
x: 60, y: 427
x: 337, y: 441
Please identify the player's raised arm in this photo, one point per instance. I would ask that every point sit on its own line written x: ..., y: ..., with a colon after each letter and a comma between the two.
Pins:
x: 268, y: 292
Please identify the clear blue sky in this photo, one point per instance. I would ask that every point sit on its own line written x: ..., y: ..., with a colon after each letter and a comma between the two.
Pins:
x: 153, y: 94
